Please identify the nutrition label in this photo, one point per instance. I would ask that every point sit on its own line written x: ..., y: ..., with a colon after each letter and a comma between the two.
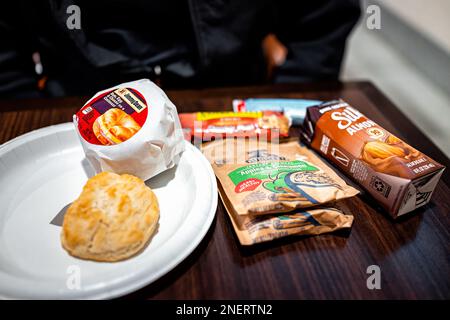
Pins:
x: 359, y: 171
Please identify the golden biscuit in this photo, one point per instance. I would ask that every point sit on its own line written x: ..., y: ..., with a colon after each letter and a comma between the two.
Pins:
x: 112, y: 219
x: 114, y: 126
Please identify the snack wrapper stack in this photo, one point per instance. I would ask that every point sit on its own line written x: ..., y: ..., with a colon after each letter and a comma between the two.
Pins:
x: 131, y: 128
x: 275, y: 190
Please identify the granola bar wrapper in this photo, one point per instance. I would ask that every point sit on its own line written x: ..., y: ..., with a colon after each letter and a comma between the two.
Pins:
x: 206, y: 126
x: 398, y: 176
x: 130, y: 128
x: 259, y: 177
x: 253, y: 229
x: 293, y: 109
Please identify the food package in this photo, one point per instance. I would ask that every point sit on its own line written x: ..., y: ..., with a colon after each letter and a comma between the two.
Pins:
x: 253, y: 229
x: 211, y: 125
x: 131, y: 128
x: 293, y: 109
x: 397, y: 175
x: 259, y: 177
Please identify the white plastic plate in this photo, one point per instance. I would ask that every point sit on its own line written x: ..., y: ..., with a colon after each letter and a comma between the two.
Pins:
x: 42, y: 172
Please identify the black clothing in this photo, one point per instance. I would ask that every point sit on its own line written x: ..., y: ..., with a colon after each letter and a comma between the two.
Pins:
x: 194, y: 43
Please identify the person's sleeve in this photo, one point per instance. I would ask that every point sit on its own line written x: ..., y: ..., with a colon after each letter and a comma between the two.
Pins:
x: 314, y: 33
x: 17, y: 76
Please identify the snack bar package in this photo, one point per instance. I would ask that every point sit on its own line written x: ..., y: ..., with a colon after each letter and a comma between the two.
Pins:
x: 251, y: 229
x: 294, y: 109
x: 259, y: 177
x: 131, y: 128
x: 398, y: 176
x: 208, y: 125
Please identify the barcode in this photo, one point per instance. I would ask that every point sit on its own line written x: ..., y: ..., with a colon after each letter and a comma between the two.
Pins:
x: 324, y: 144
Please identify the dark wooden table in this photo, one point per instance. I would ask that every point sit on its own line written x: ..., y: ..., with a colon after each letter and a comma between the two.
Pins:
x: 412, y: 253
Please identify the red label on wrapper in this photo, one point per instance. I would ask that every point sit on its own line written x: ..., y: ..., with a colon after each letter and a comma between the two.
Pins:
x: 112, y: 117
x: 247, y: 185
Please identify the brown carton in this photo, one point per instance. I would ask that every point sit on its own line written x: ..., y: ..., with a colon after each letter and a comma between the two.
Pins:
x: 397, y: 175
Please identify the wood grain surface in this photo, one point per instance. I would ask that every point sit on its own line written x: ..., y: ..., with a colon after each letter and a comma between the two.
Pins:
x: 413, y: 252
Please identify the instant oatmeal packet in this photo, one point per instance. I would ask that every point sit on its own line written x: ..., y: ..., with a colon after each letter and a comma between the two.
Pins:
x: 253, y: 229
x: 259, y: 177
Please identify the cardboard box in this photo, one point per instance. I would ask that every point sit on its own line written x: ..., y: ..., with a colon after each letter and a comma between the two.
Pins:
x: 398, y: 176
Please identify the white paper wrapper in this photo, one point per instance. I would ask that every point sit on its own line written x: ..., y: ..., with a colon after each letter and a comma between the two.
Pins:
x: 156, y: 147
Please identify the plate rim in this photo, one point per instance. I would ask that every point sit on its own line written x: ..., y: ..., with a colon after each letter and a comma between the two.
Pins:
x: 137, y: 282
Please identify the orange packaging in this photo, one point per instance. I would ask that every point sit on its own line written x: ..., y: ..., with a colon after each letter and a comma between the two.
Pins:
x: 208, y: 125
x: 397, y: 175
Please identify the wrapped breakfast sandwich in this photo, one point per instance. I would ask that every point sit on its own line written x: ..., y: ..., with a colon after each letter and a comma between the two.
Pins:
x: 131, y: 128
x: 397, y: 175
x: 259, y: 177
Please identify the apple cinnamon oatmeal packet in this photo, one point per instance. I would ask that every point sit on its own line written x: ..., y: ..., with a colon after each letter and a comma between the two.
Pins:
x: 259, y: 177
